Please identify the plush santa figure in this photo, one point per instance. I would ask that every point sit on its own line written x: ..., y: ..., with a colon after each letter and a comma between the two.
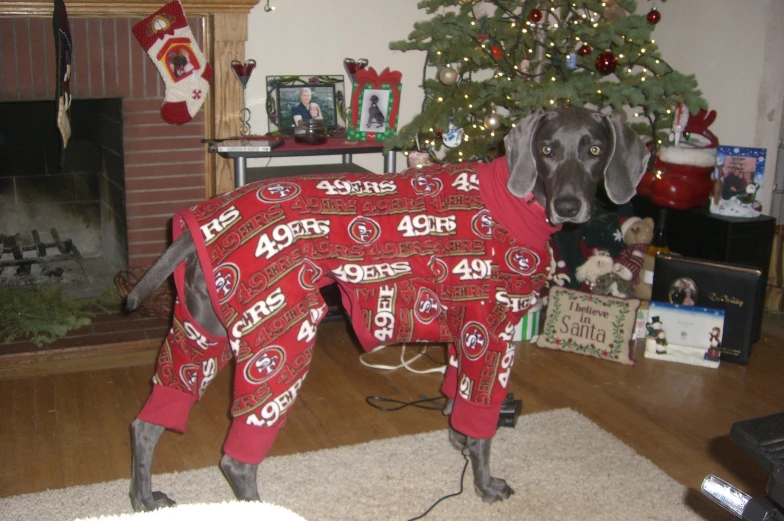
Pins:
x: 681, y: 176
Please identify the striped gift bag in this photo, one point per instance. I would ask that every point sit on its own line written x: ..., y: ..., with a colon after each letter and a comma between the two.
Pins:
x: 528, y: 328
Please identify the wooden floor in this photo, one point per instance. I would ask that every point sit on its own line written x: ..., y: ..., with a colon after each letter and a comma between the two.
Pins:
x: 71, y: 429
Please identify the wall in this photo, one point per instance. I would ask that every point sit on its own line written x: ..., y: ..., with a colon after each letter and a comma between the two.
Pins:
x: 733, y: 46
x: 304, y: 37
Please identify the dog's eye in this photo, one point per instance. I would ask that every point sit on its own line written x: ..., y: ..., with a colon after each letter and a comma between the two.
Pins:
x: 595, y: 151
x: 547, y: 150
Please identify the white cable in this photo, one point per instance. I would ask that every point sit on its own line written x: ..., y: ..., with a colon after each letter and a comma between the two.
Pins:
x: 403, y: 362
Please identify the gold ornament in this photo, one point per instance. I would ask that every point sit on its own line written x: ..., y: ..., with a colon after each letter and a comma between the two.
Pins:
x: 492, y: 121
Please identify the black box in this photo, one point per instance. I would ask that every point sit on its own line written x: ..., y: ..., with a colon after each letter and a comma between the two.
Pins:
x: 700, y: 234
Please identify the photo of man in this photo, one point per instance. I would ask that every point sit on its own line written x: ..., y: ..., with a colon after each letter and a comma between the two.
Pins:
x: 298, y: 103
x: 301, y: 110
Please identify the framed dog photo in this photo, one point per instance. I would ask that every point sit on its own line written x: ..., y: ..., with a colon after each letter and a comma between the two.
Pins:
x: 375, y: 111
x: 291, y: 99
x: 375, y: 102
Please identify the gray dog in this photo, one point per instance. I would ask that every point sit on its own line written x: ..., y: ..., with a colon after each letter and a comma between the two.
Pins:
x: 374, y: 113
x: 554, y: 162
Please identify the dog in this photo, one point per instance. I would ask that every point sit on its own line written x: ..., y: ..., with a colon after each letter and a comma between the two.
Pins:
x: 453, y: 254
x: 374, y: 113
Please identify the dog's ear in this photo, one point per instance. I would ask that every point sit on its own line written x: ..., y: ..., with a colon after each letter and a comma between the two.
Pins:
x: 519, y: 155
x: 628, y: 161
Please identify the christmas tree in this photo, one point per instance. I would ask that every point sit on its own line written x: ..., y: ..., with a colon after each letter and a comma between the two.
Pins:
x: 496, y: 61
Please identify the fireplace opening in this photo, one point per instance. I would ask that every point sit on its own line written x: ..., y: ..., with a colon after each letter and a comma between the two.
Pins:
x: 78, y: 192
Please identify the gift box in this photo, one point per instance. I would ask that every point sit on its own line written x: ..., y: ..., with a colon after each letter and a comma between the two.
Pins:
x: 528, y: 328
x: 375, y: 102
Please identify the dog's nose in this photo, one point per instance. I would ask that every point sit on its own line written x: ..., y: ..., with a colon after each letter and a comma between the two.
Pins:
x: 567, y: 206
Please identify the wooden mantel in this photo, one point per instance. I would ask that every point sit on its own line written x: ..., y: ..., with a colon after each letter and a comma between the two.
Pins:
x: 225, y: 34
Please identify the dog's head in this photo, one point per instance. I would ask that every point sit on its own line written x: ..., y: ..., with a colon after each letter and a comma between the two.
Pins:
x: 562, y: 155
x: 374, y: 99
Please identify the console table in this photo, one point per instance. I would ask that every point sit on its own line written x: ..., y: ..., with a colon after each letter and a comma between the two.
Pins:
x: 290, y: 148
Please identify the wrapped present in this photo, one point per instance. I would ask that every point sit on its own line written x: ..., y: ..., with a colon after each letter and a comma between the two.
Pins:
x: 375, y: 103
x: 528, y: 328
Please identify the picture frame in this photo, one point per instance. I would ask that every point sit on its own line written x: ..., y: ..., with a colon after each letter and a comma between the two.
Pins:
x: 284, y: 94
x: 738, y: 181
x: 375, y: 102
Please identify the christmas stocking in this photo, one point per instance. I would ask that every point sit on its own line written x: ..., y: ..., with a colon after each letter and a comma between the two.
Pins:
x: 169, y: 42
x: 62, y: 46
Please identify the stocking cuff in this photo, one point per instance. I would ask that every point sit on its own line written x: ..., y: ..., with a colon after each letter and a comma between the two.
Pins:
x: 160, y: 24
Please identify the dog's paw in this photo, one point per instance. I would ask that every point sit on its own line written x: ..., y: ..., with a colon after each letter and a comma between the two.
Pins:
x: 162, y: 500
x: 148, y: 504
x: 495, y: 490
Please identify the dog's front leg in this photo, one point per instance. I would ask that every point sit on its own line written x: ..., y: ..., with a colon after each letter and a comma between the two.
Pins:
x: 144, y: 439
x: 490, y: 489
x: 242, y: 478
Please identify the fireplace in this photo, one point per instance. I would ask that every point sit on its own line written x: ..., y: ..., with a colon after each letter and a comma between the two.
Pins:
x: 164, y: 167
x: 124, y: 170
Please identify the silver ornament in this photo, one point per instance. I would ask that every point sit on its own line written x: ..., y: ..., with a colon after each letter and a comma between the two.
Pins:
x: 492, y: 121
x: 417, y: 159
x: 447, y: 76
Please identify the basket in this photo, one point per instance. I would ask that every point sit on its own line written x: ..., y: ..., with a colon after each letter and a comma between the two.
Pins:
x: 161, y: 302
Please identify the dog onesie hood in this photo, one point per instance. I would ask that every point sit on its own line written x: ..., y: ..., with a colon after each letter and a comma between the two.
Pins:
x: 442, y: 254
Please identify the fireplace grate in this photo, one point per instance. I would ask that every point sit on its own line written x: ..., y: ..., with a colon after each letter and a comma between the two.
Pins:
x: 17, y: 245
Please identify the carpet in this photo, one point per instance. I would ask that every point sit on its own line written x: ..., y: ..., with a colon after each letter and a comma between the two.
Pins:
x: 561, y: 465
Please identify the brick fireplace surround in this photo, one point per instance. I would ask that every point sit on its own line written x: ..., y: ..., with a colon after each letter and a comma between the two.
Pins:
x: 166, y: 166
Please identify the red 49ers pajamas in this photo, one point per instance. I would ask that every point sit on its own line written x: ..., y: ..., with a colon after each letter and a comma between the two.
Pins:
x: 442, y: 254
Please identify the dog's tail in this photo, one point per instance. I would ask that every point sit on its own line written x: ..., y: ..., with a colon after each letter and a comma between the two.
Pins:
x: 160, y: 271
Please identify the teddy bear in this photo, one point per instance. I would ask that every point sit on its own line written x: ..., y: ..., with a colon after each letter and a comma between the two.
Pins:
x: 622, y: 279
x: 635, y: 264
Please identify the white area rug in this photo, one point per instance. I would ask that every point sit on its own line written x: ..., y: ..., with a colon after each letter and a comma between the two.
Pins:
x: 561, y: 465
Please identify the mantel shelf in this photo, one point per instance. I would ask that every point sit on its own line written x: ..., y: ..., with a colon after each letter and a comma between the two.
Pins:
x: 122, y: 8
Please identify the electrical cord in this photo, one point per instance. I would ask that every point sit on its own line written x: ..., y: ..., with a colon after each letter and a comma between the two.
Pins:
x: 403, y: 362
x: 454, y: 494
x: 374, y: 401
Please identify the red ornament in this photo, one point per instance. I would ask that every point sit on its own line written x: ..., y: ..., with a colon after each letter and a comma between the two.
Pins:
x: 535, y: 16
x: 585, y: 50
x: 606, y: 63
x: 481, y: 37
x: 497, y: 52
x: 654, y: 16
x: 439, y: 134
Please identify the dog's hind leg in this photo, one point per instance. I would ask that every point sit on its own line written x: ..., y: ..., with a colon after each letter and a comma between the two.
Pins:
x: 241, y: 477
x: 144, y: 439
